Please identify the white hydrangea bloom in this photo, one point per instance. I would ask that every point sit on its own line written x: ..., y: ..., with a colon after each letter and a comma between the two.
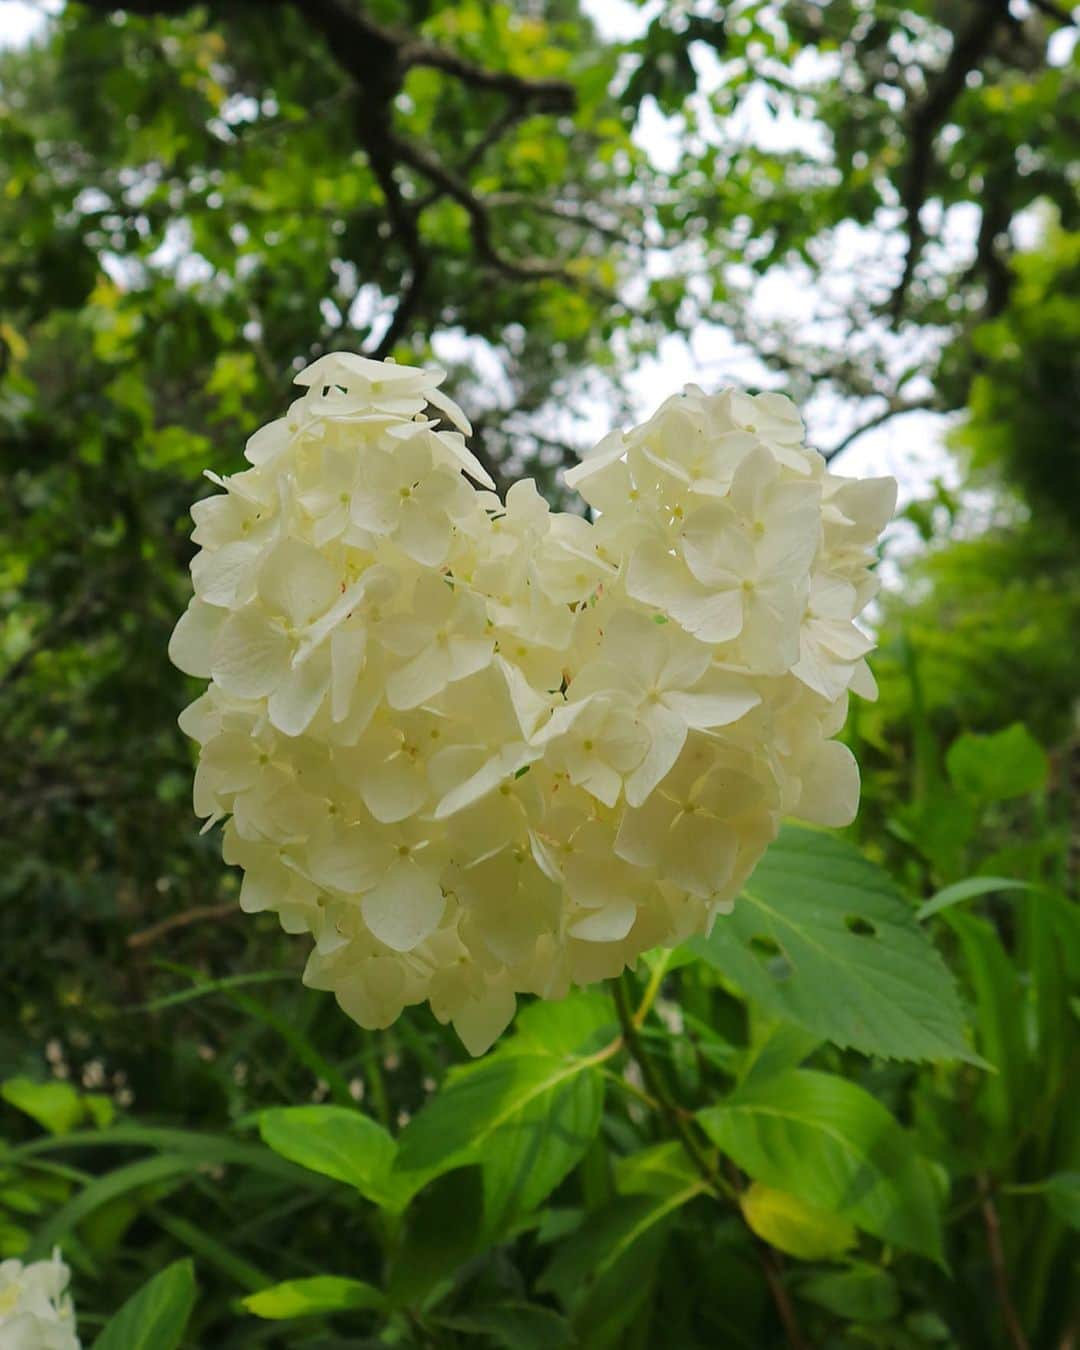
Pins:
x: 35, y: 1310
x: 476, y: 749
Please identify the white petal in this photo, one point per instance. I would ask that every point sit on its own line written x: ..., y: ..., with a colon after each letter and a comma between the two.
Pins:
x: 193, y: 638
x: 393, y: 789
x: 226, y: 576
x: 268, y: 442
x: 610, y: 924
x: 250, y: 655
x: 830, y: 787
x: 481, y: 1021
x: 644, y: 832
x: 667, y: 731
x: 717, y: 702
x: 374, y: 993
x: 299, y: 695
x: 419, y: 679
x: 351, y: 862
x: 348, y: 648
x: 297, y: 581
x: 405, y: 906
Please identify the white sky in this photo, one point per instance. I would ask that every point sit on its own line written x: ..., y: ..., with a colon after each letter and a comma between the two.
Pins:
x: 910, y: 448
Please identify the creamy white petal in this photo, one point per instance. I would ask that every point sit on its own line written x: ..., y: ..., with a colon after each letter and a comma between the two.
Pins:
x: 404, y: 906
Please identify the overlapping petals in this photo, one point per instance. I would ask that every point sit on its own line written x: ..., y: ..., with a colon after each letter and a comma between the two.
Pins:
x: 476, y: 749
x: 35, y: 1308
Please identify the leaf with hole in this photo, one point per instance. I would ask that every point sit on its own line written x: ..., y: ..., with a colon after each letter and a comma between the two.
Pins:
x: 822, y: 937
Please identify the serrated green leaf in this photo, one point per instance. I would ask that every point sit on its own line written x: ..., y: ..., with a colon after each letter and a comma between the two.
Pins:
x: 823, y: 937
x: 830, y: 1143
x: 316, y: 1295
x: 155, y: 1317
x: 338, y: 1143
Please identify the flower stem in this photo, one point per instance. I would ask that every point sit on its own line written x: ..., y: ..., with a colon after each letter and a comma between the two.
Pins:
x: 680, y: 1122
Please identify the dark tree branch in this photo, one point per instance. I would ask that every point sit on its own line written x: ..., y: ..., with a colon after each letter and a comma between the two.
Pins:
x: 993, y: 225
x: 376, y: 58
x: 450, y: 185
x: 1052, y: 11
x: 895, y: 408
x: 970, y: 45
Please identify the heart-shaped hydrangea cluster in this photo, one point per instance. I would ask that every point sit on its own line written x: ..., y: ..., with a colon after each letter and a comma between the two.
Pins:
x: 476, y: 748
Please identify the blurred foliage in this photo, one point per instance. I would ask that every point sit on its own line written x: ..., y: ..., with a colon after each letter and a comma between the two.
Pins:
x: 196, y: 200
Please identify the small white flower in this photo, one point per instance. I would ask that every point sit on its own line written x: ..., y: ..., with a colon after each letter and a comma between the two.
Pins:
x: 35, y: 1310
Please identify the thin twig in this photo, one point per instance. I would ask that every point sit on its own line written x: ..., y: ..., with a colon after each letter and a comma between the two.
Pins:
x: 771, y: 1269
x: 147, y: 936
x: 886, y: 415
x: 676, y: 1118
x: 998, y: 1266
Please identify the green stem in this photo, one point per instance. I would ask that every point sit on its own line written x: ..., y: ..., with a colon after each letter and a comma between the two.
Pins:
x: 677, y: 1119
x: 680, y: 1122
x: 656, y: 979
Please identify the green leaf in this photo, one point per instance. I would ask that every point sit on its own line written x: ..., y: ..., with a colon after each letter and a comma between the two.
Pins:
x: 525, y: 1118
x: 1004, y: 764
x: 969, y: 889
x: 514, y: 1326
x: 822, y: 937
x: 155, y: 1317
x: 794, y: 1227
x: 863, y: 1293
x: 148, y: 1175
x: 1003, y: 1096
x: 338, y: 1143
x: 661, y: 1170
x: 834, y: 1146
x: 443, y: 1228
x: 572, y: 1026
x: 604, y: 1270
x: 57, y: 1107
x: 310, y: 1297
x: 1062, y: 1192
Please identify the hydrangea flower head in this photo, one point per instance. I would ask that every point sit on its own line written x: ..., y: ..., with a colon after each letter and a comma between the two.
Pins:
x: 474, y: 748
x: 35, y: 1310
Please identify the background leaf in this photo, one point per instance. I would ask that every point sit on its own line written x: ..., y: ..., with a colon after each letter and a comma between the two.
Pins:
x: 828, y: 1142
x: 317, y: 1294
x: 156, y: 1316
